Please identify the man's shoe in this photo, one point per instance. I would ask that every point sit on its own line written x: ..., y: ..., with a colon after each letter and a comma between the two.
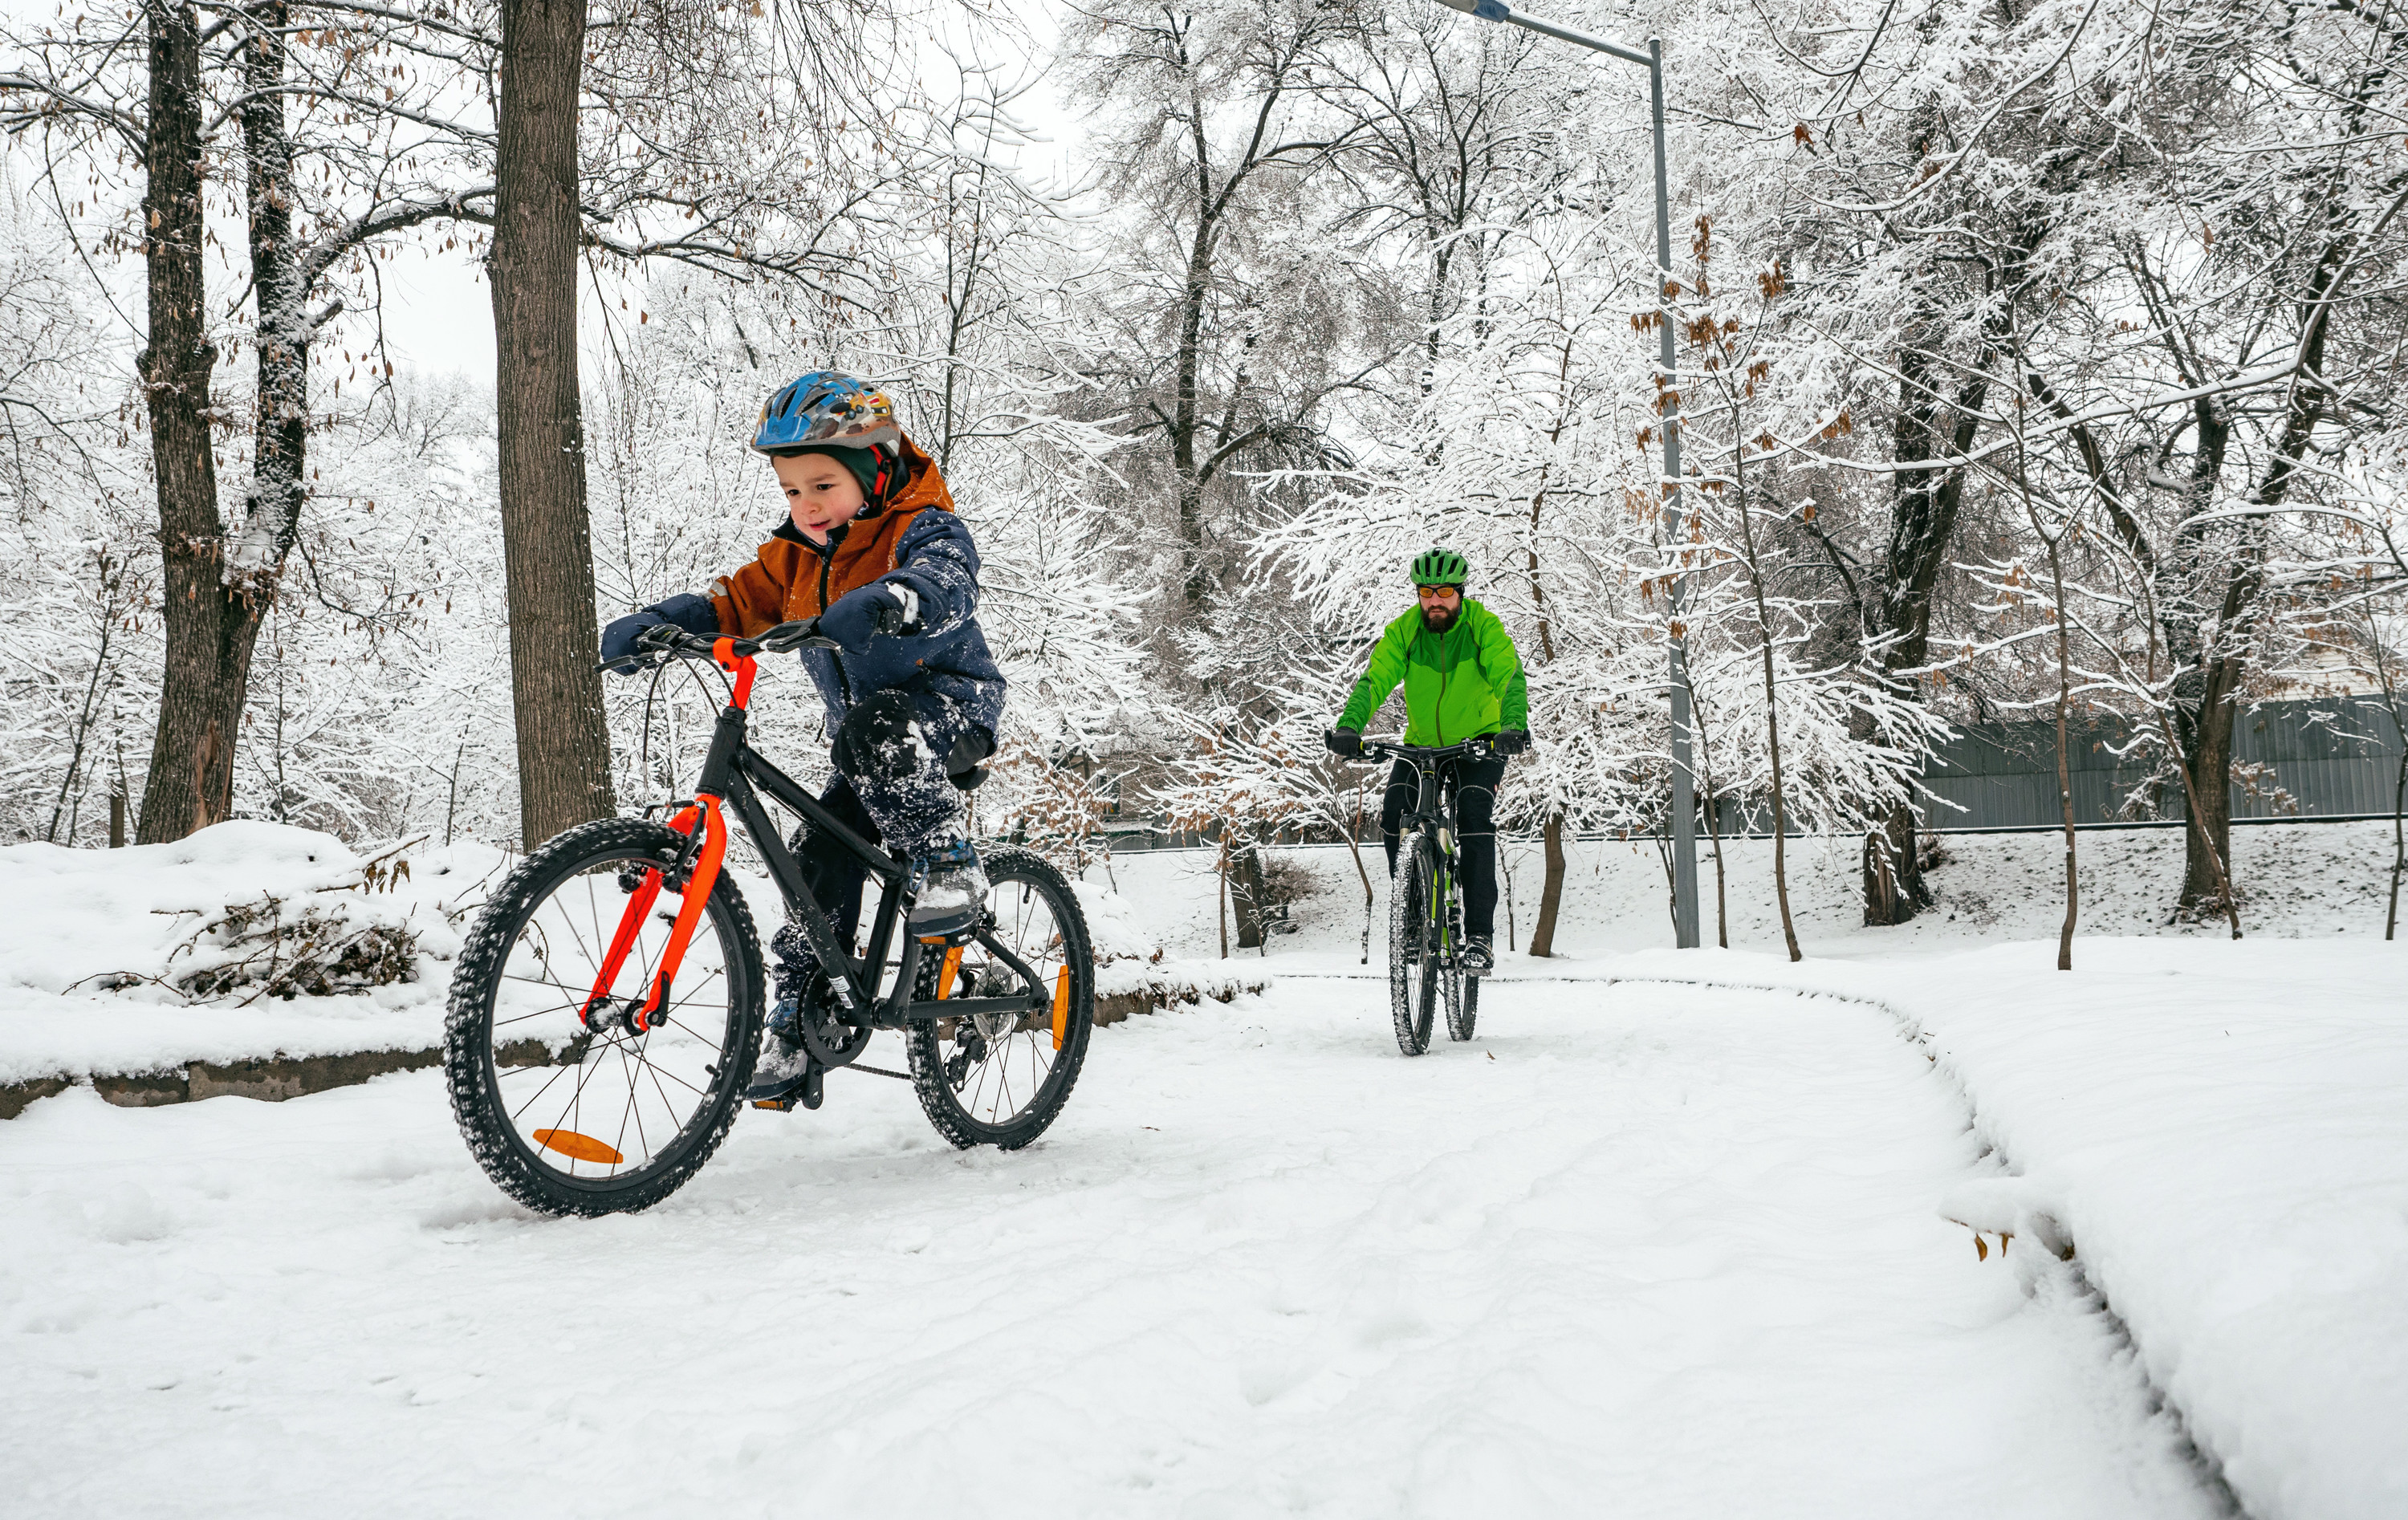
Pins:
x: 1479, y: 957
x: 953, y: 892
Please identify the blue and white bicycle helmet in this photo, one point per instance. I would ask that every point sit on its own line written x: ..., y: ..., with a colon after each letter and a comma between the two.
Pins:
x: 826, y: 409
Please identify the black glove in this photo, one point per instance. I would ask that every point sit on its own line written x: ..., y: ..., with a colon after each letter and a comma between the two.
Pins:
x: 686, y: 611
x: 860, y: 615
x: 1345, y: 741
x: 620, y: 655
x: 962, y: 765
x: 1510, y: 740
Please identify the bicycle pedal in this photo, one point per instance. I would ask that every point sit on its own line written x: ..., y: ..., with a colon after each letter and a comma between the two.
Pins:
x: 807, y: 1091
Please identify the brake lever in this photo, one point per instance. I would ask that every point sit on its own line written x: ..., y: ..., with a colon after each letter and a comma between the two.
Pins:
x: 787, y: 637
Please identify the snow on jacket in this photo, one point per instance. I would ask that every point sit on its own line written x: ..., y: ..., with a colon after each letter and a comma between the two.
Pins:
x: 1459, y: 684
x: 917, y: 541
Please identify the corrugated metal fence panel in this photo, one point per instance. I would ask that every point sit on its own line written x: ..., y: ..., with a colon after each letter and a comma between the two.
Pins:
x: 2301, y: 759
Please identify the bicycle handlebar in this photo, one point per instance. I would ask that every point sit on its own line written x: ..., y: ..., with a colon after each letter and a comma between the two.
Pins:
x: 668, y: 639
x: 1398, y: 748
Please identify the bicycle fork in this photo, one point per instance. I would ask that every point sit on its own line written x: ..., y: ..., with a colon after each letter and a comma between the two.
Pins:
x: 698, y: 862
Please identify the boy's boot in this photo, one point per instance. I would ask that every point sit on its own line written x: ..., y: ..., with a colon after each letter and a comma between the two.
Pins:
x: 952, y: 891
x: 1479, y: 955
x: 784, y: 1061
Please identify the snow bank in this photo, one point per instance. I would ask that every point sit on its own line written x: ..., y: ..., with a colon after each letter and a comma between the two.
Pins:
x: 2220, y: 1132
x: 1133, y: 971
x: 2302, y: 880
x: 124, y: 961
x: 121, y: 962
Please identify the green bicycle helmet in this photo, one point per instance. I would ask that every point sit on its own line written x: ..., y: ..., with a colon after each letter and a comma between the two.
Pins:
x: 1436, y: 566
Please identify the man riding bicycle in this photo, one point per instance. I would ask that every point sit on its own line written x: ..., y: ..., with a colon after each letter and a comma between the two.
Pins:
x: 1463, y: 680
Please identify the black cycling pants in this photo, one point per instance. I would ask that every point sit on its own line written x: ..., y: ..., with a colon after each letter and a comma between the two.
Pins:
x: 1472, y: 785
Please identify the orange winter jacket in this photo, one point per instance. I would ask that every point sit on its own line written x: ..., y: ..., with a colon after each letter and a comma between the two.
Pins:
x: 790, y: 579
x: 917, y: 541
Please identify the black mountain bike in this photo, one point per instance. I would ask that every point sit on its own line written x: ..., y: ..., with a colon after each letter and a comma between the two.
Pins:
x: 1424, y: 907
x: 606, y: 1010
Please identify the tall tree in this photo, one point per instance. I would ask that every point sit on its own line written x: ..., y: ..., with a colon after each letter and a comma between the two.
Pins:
x: 192, y: 758
x: 221, y: 573
x: 547, y: 541
x: 1213, y: 101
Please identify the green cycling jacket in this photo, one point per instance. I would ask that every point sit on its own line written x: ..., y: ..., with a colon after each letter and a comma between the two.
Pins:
x: 1459, y: 684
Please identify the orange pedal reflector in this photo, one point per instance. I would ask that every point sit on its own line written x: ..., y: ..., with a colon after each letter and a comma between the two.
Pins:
x: 568, y: 1142
x: 1060, y: 1006
x: 947, y: 974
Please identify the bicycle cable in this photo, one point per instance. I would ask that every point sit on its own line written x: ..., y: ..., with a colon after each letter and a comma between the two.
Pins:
x: 651, y: 697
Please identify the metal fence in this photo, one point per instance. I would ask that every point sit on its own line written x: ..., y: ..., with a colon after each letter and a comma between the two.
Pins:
x: 2293, y: 759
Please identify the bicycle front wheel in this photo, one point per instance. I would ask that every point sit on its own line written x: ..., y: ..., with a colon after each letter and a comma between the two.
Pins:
x: 1463, y: 1013
x: 1001, y: 1081
x: 1413, y: 968
x: 569, y: 1119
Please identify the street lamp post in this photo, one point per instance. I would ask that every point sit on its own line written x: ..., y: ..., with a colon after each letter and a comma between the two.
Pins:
x: 1685, y: 813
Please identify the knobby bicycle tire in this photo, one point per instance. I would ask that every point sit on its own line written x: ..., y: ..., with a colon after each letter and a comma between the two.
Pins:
x: 496, y: 1134
x: 1463, y: 1014
x: 962, y: 1082
x: 1411, y: 958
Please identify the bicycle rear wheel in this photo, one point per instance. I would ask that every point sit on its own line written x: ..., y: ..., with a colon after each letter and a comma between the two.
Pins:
x: 1414, y: 969
x: 1001, y: 1081
x: 571, y: 1120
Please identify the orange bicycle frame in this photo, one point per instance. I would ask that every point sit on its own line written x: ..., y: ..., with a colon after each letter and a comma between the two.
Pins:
x: 699, y: 879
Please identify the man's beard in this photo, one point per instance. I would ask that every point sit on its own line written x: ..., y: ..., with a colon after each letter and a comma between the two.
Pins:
x: 1440, y: 618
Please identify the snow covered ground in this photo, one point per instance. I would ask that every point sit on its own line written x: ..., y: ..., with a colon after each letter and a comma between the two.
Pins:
x: 1639, y: 1251
x: 2219, y: 1130
x: 1669, y: 1239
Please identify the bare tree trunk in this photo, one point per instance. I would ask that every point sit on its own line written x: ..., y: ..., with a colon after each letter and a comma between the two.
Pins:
x: 1551, y: 896
x: 547, y: 543
x: 207, y: 629
x: 1722, y: 898
x: 1505, y: 872
x: 1195, y: 578
x: 1779, y: 815
x: 2207, y: 774
x: 112, y: 577
x: 1249, y: 891
x: 2220, y: 881
x: 1773, y: 724
x: 1714, y: 828
x: 1221, y: 869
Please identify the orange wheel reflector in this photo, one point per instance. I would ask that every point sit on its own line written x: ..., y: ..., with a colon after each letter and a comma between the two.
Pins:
x: 950, y: 973
x: 568, y: 1142
x: 1060, y: 1006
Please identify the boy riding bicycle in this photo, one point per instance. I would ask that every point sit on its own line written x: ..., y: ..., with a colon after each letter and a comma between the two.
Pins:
x: 872, y: 548
x: 1463, y: 680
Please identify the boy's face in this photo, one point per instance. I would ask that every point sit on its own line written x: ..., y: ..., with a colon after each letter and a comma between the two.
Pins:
x: 820, y: 494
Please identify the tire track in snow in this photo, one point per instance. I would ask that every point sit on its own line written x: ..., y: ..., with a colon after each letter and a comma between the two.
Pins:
x: 2204, y: 1464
